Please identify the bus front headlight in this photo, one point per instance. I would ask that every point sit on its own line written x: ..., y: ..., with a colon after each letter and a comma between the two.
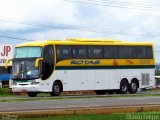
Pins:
x: 34, y: 83
x: 14, y: 83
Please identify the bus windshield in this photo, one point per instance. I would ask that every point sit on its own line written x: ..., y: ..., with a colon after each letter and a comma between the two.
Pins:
x: 22, y: 69
x: 28, y: 52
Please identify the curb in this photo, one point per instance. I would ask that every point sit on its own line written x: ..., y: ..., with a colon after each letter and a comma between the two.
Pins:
x: 79, y: 111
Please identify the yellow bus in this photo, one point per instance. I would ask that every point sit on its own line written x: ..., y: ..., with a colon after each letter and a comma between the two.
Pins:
x: 102, y: 65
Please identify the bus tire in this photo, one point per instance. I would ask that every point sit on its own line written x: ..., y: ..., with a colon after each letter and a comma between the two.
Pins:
x: 56, y: 89
x: 32, y: 94
x: 133, y: 87
x: 100, y: 92
x: 123, y: 87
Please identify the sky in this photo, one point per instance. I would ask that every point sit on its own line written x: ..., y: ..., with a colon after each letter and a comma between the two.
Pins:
x: 126, y: 20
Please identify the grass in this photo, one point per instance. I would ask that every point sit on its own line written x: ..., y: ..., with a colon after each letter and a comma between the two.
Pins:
x: 154, y: 90
x: 5, y: 92
x: 121, y: 116
x: 81, y: 117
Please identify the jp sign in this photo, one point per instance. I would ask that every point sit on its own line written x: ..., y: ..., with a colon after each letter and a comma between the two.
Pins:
x: 6, y: 52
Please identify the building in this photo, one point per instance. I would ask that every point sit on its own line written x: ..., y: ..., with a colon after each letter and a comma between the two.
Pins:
x: 6, y: 52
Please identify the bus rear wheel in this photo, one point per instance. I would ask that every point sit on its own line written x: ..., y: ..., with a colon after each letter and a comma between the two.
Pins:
x: 56, y: 89
x: 100, y: 92
x: 133, y: 87
x: 32, y: 94
x: 123, y: 87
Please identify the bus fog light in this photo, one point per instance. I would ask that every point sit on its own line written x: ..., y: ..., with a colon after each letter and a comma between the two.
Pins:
x: 13, y: 88
x: 14, y: 83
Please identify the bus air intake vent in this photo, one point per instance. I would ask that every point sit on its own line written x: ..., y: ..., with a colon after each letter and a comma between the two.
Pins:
x: 145, y: 79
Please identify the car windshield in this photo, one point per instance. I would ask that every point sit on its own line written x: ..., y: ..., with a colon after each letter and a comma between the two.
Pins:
x: 25, y: 70
x: 28, y: 52
x: 157, y: 72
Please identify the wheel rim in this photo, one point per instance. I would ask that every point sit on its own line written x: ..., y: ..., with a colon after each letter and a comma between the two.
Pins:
x: 134, y: 86
x: 56, y: 89
x: 124, y: 87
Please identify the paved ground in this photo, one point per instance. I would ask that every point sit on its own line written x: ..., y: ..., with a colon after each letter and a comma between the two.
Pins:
x: 47, y: 95
x: 78, y: 103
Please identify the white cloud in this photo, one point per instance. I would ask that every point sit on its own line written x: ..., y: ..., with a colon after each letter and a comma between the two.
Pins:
x: 60, y: 35
x: 95, y: 16
x: 46, y: 11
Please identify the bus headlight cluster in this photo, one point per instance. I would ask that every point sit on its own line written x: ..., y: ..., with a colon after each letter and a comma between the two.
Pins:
x: 14, y: 83
x: 34, y: 83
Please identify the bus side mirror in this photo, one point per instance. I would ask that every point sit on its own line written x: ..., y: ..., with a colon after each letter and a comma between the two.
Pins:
x: 37, y: 62
x: 7, y: 62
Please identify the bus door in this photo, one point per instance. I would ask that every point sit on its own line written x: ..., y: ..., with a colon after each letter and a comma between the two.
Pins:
x: 48, y: 62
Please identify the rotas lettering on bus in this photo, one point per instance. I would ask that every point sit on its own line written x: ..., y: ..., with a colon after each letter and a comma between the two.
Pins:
x: 86, y: 62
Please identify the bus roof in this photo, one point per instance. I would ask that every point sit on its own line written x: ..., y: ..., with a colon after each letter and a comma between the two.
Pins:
x: 77, y: 41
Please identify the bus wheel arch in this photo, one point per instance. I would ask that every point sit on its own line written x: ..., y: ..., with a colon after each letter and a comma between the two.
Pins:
x: 32, y: 94
x: 133, y: 86
x: 57, y: 88
x: 124, y: 85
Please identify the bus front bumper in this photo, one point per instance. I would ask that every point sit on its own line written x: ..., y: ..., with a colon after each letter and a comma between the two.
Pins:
x: 27, y: 88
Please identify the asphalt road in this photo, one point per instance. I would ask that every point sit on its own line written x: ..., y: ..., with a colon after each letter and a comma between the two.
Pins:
x: 78, y: 103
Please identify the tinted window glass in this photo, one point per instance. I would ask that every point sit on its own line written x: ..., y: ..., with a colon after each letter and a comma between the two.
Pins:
x: 48, y: 54
x: 149, y: 53
x: 3, y: 70
x: 95, y: 51
x: 63, y: 52
x: 110, y: 52
x: 79, y: 52
x: 139, y: 52
x: 125, y: 52
x: 48, y: 62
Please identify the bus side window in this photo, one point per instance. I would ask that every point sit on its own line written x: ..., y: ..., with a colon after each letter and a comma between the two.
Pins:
x: 95, y: 52
x: 125, y: 52
x: 63, y: 52
x: 110, y: 52
x: 139, y: 52
x: 79, y: 52
x: 48, y: 62
x: 149, y: 53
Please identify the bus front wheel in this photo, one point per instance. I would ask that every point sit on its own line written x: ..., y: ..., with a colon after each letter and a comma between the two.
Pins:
x: 32, y: 94
x: 56, y: 89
